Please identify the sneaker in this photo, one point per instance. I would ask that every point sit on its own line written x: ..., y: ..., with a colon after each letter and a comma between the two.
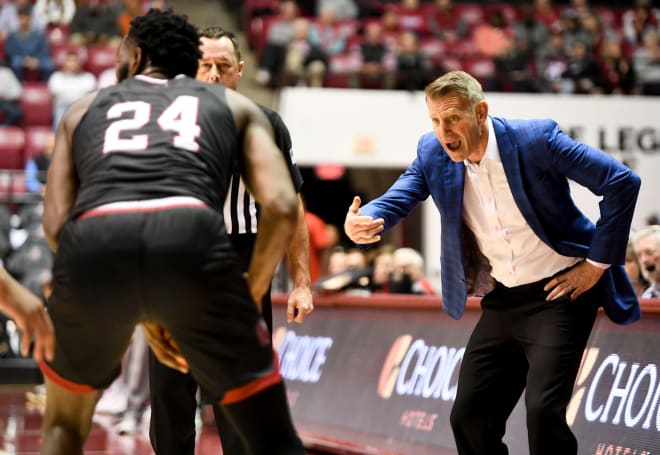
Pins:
x: 128, y: 425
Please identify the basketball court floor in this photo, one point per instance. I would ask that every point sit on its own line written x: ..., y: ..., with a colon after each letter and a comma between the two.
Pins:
x: 20, y: 429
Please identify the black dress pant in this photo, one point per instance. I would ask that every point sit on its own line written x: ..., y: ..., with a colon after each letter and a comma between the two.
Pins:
x: 173, y: 394
x: 522, y: 341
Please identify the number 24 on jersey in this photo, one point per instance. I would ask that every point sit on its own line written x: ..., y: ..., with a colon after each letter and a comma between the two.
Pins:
x: 180, y: 116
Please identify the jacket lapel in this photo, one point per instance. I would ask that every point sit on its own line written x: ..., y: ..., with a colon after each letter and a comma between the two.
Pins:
x: 510, y: 155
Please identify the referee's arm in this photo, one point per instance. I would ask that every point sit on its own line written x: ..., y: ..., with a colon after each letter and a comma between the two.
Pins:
x: 300, y: 302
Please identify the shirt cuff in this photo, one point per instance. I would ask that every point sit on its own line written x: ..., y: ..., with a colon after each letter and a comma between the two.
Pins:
x: 600, y: 265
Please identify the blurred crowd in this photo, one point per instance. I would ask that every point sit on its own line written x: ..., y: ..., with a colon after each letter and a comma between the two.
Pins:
x: 533, y: 46
x: 56, y: 51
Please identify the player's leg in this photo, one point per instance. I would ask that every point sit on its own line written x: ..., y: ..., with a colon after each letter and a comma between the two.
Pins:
x: 231, y: 441
x: 67, y: 419
x: 173, y: 407
x: 219, y: 330
x: 94, y: 314
x: 273, y: 432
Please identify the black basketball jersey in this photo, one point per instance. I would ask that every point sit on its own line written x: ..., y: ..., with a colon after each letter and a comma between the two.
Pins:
x: 148, y: 138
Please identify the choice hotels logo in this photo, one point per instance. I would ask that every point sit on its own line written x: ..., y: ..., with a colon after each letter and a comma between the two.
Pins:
x: 413, y: 367
x: 302, y: 357
x: 392, y: 365
x: 589, y: 358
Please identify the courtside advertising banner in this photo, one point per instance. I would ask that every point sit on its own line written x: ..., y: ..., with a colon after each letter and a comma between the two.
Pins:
x: 390, y: 375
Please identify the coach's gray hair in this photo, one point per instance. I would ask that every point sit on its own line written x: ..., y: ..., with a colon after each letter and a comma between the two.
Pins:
x: 459, y: 82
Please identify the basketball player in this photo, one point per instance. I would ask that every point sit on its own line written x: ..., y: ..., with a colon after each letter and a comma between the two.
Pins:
x: 174, y: 402
x: 139, y: 175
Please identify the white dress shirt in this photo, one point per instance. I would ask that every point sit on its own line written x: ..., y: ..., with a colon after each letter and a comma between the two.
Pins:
x: 516, y: 254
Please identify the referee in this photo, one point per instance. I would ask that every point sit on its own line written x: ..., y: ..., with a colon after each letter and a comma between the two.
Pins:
x: 173, y: 394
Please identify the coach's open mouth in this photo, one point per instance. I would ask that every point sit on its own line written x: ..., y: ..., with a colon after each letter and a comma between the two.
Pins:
x: 453, y: 146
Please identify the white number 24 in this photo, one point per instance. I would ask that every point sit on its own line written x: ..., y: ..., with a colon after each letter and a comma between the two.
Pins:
x: 180, y: 117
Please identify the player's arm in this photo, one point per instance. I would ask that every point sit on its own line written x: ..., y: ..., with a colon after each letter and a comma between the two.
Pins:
x: 267, y: 178
x: 29, y: 314
x: 300, y: 302
x: 62, y: 182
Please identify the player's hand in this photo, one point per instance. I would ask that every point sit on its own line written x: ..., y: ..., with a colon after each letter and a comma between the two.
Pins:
x: 360, y: 228
x: 575, y: 282
x: 300, y: 304
x: 29, y: 314
x: 164, y: 347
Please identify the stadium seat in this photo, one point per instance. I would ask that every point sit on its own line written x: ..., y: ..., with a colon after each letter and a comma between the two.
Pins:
x: 61, y: 50
x: 12, y: 141
x: 37, y: 104
x: 482, y: 68
x: 35, y: 140
x: 100, y: 58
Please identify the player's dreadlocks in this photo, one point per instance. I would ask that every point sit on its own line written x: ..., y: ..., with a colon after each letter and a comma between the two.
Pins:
x: 168, y: 41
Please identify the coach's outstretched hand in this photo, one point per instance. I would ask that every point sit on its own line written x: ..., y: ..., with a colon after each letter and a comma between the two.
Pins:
x: 30, y: 316
x: 164, y: 347
x: 362, y: 229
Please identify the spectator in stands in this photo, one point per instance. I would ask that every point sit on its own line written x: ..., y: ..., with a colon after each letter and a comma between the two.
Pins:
x: 638, y: 20
x: 376, y: 60
x: 646, y: 63
x: 647, y: 249
x: 411, y: 15
x: 10, y: 94
x: 617, y: 72
x: 95, y: 22
x: 355, y: 259
x: 280, y: 34
x: 446, y: 23
x: 328, y: 34
x: 413, y: 67
x: 305, y: 62
x: 493, y: 36
x: 408, y: 275
x: 530, y: 33
x: 336, y: 260
x: 130, y: 9
x: 382, y: 268
x: 9, y: 21
x: 391, y: 26
x: 36, y: 167
x: 579, y: 8
x: 69, y: 84
x: 583, y: 73
x: 634, y: 270
x: 571, y: 26
x: 513, y: 72
x: 54, y: 13
x: 551, y: 63
x: 546, y: 13
x: 343, y: 9
x: 27, y: 49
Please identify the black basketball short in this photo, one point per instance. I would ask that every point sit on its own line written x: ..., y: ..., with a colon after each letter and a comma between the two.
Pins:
x: 159, y: 261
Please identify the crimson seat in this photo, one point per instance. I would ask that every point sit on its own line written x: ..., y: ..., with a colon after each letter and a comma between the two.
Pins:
x: 100, y: 58
x: 12, y: 140
x: 37, y: 104
x: 35, y: 140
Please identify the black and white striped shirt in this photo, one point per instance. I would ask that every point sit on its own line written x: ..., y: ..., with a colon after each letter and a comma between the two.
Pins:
x: 240, y: 209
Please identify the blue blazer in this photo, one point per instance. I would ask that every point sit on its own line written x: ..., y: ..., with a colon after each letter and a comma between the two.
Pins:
x: 538, y: 160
